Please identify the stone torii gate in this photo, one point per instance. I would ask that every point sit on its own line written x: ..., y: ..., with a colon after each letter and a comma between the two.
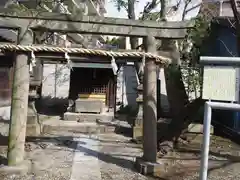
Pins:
x: 53, y: 22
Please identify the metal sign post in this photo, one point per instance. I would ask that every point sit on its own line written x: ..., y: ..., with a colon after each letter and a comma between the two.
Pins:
x: 206, y: 131
x: 218, y: 94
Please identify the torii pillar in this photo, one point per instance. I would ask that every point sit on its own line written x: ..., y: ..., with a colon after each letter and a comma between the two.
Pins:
x: 19, y: 107
x: 147, y: 164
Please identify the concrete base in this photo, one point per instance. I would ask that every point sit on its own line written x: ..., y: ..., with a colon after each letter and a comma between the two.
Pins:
x: 88, y: 106
x: 198, y: 128
x: 87, y: 117
x: 21, y: 169
x: 148, y: 168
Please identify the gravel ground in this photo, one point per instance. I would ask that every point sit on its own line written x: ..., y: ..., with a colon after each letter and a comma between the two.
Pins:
x: 224, y: 161
x: 49, y: 160
x: 63, y: 156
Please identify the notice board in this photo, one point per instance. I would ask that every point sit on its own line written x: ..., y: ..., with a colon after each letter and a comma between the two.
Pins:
x: 221, y: 83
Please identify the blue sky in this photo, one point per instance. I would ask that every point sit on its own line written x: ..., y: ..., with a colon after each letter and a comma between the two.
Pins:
x: 112, y: 11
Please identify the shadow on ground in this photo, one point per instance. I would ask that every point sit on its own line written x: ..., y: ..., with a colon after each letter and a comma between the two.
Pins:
x: 122, y: 130
x: 115, y: 158
x: 68, y: 141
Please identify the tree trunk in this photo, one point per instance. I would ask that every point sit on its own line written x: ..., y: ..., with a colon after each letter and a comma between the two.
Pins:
x: 182, y: 111
x: 177, y: 98
x: 131, y: 15
x: 180, y: 107
x: 133, y: 40
x: 176, y: 92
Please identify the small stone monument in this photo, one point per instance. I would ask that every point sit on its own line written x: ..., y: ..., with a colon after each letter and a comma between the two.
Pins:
x: 138, y: 123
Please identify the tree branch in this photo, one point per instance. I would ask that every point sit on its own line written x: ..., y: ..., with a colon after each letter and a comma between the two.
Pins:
x: 236, y: 14
x: 163, y: 12
x: 187, y: 2
x: 235, y: 11
x: 148, y: 8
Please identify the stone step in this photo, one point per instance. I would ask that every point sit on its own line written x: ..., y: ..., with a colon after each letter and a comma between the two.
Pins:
x: 50, y: 126
x: 87, y: 117
x: 198, y: 128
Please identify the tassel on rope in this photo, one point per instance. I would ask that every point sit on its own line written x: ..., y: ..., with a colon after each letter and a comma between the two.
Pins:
x: 114, y: 66
x: 67, y: 57
x: 33, y: 59
x: 141, y: 69
x: 32, y: 62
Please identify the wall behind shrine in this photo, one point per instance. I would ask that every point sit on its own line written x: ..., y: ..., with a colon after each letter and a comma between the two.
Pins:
x: 55, y: 81
x: 127, y: 83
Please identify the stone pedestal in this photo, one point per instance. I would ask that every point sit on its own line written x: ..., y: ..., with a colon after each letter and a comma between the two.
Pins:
x: 148, y: 168
x: 138, y: 122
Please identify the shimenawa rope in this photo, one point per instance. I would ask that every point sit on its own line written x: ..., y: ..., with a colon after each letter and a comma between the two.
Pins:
x: 43, y: 48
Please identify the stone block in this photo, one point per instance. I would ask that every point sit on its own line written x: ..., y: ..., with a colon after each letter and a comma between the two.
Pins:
x: 88, y: 106
x: 198, y: 128
x: 139, y: 120
x: 33, y: 130
x: 137, y: 134
x: 107, y: 129
x: 70, y: 116
x: 87, y: 117
x: 32, y: 118
x: 148, y: 168
x: 52, y: 126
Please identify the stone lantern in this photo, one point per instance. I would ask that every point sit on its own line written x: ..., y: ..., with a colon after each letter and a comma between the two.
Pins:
x: 138, y: 121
